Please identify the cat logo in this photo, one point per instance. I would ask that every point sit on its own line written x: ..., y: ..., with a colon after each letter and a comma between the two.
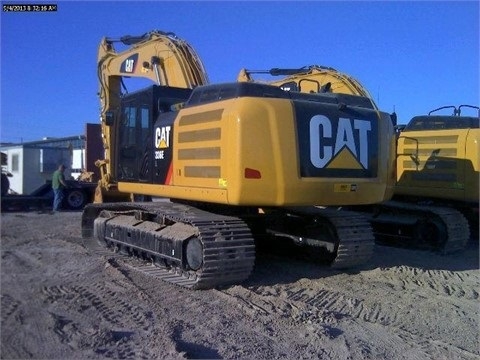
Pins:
x: 162, y: 142
x: 128, y: 66
x: 162, y: 137
x: 344, y: 146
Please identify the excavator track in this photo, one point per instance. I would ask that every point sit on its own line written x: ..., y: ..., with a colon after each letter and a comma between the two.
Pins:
x: 197, y: 249
x: 441, y: 229
x: 215, y: 250
x: 356, y: 239
x: 345, y: 238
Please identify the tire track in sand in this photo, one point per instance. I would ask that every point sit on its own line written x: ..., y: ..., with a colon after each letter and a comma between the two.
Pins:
x: 99, y: 318
x: 439, y: 282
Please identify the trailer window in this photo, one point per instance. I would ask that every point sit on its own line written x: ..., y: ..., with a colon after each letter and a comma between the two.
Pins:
x: 15, y: 163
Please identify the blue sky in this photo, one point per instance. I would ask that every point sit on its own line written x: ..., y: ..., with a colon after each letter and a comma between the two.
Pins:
x: 411, y: 56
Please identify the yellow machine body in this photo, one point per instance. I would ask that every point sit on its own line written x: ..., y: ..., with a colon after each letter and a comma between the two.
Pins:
x: 243, y: 150
x: 439, y: 157
x: 248, y: 151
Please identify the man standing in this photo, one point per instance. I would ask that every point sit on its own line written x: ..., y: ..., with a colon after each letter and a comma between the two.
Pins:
x: 58, y: 184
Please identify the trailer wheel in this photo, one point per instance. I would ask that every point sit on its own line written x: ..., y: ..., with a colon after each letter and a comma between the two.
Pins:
x: 75, y: 199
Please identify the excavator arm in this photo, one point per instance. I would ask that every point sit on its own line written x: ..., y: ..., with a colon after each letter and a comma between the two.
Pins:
x: 159, y: 56
x: 311, y: 79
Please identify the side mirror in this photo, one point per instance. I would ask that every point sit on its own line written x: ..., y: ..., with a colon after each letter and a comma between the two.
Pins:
x: 109, y: 118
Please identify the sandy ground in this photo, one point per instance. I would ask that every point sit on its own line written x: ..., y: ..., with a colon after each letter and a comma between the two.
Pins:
x: 60, y: 300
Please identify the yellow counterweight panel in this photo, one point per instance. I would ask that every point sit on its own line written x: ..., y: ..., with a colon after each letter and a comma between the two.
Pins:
x: 439, y: 163
x: 248, y: 148
x: 267, y: 139
x: 264, y: 135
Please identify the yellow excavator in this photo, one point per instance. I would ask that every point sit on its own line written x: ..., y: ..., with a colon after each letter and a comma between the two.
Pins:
x: 437, y: 189
x: 237, y: 161
x: 437, y: 167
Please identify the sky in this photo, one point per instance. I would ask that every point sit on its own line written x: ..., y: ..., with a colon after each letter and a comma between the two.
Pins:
x: 411, y: 56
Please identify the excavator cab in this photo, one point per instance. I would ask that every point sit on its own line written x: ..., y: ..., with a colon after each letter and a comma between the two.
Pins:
x: 139, y: 145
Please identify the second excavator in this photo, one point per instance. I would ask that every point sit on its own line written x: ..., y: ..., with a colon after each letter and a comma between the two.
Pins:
x: 437, y: 191
x: 237, y: 162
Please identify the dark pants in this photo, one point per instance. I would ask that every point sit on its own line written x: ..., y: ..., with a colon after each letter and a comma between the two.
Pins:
x: 57, y: 199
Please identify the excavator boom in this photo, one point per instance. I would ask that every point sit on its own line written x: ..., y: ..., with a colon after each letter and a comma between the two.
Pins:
x: 159, y: 56
x: 311, y: 79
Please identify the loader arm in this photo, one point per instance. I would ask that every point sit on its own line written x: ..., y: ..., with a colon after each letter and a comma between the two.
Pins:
x: 159, y: 56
